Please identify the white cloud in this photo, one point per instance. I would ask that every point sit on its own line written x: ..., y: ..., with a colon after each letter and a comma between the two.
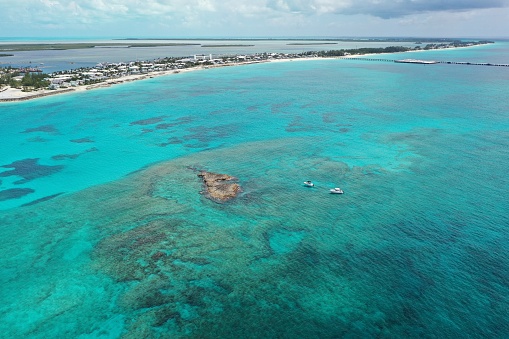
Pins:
x: 227, y: 17
x: 49, y: 3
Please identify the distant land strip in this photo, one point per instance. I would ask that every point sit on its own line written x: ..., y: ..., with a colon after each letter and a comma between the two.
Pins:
x: 311, y: 43
x: 226, y: 45
x: 302, y: 42
x: 400, y: 39
x: 6, y: 55
x: 164, y: 45
x: 44, y: 47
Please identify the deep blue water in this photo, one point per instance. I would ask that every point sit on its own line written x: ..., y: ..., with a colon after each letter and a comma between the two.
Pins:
x: 118, y: 242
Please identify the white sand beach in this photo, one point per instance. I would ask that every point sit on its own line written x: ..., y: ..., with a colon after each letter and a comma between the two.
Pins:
x: 9, y: 94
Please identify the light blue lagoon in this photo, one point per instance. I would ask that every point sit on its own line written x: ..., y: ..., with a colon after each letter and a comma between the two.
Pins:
x: 106, y: 234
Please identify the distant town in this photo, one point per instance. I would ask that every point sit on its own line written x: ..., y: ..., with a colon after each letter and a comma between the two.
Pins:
x: 31, y: 78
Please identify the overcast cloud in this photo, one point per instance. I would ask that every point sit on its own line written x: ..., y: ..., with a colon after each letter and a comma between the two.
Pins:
x: 253, y: 18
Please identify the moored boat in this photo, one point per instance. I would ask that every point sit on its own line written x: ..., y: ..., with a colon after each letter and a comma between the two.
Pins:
x: 308, y: 183
x: 336, y: 190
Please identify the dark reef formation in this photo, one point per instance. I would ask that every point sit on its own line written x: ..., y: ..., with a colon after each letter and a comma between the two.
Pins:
x: 45, y: 129
x: 14, y: 193
x: 82, y: 140
x: 220, y: 187
x: 149, y: 121
x: 43, y: 199
x: 73, y: 156
x: 29, y: 169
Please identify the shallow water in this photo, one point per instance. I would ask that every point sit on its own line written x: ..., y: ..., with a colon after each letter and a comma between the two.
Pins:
x: 414, y: 248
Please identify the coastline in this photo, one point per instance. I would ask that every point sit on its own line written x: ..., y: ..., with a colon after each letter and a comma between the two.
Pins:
x: 10, y: 95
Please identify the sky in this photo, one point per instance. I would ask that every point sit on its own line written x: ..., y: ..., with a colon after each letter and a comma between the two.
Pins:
x: 254, y: 18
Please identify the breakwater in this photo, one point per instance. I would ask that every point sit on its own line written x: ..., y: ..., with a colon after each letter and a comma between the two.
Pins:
x: 429, y: 62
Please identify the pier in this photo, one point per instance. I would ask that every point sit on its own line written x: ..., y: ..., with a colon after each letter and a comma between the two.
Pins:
x: 428, y: 62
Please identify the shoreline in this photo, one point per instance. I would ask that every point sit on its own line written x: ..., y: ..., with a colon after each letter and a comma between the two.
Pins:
x: 10, y: 95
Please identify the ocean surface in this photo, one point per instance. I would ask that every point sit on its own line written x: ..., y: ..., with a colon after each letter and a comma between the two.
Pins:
x: 105, y: 233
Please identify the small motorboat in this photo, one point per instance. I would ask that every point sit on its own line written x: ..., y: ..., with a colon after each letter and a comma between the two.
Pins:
x: 336, y: 190
x: 308, y: 183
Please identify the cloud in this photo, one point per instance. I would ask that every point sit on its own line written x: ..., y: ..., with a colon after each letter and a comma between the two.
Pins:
x: 99, y: 10
x: 382, y: 8
x: 393, y: 9
x: 223, y: 17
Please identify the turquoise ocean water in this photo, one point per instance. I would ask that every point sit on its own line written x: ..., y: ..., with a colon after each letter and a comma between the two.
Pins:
x: 106, y: 235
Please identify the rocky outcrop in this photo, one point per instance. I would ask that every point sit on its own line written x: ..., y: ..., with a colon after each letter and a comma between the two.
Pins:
x: 220, y: 187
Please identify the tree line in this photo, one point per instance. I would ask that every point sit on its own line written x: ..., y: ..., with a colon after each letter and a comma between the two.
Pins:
x: 29, y: 80
x: 365, y: 50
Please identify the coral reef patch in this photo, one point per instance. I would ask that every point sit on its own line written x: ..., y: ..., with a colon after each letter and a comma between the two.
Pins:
x: 43, y: 199
x: 14, y: 193
x: 29, y: 169
x: 46, y: 129
x: 149, y: 121
x: 82, y: 140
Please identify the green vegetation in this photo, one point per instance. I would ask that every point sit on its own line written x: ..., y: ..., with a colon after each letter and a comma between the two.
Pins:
x: 343, y: 52
x: 34, y: 80
x: 29, y: 80
x: 457, y: 43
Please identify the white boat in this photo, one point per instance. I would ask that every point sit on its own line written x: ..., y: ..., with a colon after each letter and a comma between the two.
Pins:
x: 308, y: 184
x: 336, y: 190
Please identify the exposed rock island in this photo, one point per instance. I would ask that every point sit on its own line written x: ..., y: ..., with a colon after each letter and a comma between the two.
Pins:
x: 219, y: 187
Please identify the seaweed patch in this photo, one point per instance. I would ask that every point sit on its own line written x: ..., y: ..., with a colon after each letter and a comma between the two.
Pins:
x: 177, y: 122
x: 82, y: 140
x: 46, y: 129
x: 208, y: 134
x: 65, y: 156
x: 37, y: 139
x: 29, y: 169
x: 49, y: 197
x: 171, y: 141
x: 73, y: 156
x: 149, y: 121
x: 14, y: 193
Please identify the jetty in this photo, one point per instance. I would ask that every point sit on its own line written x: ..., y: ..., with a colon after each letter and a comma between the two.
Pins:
x: 427, y: 62
x: 415, y: 61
